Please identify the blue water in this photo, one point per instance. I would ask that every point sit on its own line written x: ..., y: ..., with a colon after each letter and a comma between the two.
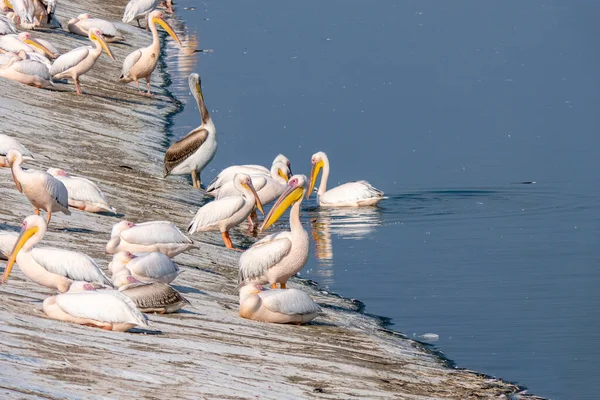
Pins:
x: 480, y: 122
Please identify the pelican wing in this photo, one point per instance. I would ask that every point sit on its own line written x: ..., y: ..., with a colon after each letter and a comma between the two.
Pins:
x: 8, y: 143
x: 104, y: 305
x: 7, y: 242
x: 107, y: 28
x: 138, y: 7
x: 57, y: 190
x: 129, y: 62
x: 228, y: 173
x: 69, y: 60
x: 351, y: 191
x: 13, y: 43
x: 154, y: 232
x: 32, y: 67
x: 71, y: 264
x: 182, y: 149
x: 228, y: 188
x: 153, y: 265
x: 82, y: 189
x: 214, y: 212
x: 263, y: 255
x: 24, y: 9
x: 289, y: 301
x: 6, y: 26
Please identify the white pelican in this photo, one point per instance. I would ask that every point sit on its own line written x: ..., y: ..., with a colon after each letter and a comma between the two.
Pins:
x: 142, y: 62
x: 155, y: 297
x: 84, y: 22
x: 7, y: 242
x: 41, y: 189
x: 24, y: 41
x: 269, y: 188
x: 27, y: 72
x: 48, y: 266
x: 148, y: 237
x: 251, y: 169
x: 7, y: 27
x: 106, y: 309
x: 275, y: 258
x: 167, y: 5
x: 145, y: 267
x: 8, y: 143
x: 193, y: 153
x: 24, y: 11
x: 351, y: 194
x: 83, y: 193
x: 291, y: 306
x: 80, y: 60
x: 139, y: 9
x: 224, y: 214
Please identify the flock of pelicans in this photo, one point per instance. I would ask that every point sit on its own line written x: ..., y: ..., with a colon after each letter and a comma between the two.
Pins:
x: 141, y: 268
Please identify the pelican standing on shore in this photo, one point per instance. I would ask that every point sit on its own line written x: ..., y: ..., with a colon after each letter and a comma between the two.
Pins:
x: 351, y: 194
x: 24, y: 11
x: 106, y: 309
x: 193, y: 153
x: 41, y: 189
x: 48, y: 266
x: 275, y: 258
x: 83, y: 193
x: 224, y: 214
x: 8, y: 143
x: 145, y: 267
x: 291, y: 306
x: 148, y: 237
x: 84, y: 22
x: 80, y: 60
x: 142, y: 62
x: 139, y: 9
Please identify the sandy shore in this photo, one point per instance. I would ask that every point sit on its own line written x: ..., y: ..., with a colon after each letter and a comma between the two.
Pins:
x: 117, y: 138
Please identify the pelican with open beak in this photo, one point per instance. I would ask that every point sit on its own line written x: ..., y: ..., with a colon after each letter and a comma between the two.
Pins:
x: 275, y: 258
x: 351, y: 194
x: 48, y: 266
x: 24, y: 41
x: 80, y: 60
x: 142, y: 62
x: 193, y: 153
x: 226, y: 213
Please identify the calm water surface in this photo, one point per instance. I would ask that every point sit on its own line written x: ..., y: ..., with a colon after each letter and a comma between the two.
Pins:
x: 453, y: 109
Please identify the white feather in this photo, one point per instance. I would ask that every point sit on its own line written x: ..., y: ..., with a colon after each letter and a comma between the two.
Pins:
x: 7, y: 242
x: 107, y: 28
x: 289, y: 301
x: 153, y: 232
x: 130, y: 61
x: 350, y: 192
x: 71, y: 264
x: 6, y: 26
x: 263, y: 255
x: 153, y: 267
x: 8, y: 143
x: 56, y: 189
x: 138, y: 9
x: 209, y: 215
x: 69, y: 60
x: 84, y: 190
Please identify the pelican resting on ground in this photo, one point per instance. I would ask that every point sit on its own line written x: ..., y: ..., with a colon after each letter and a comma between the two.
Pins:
x: 8, y: 143
x: 291, y: 306
x: 106, y: 309
x: 41, y: 189
x: 84, y: 22
x: 148, y: 237
x: 145, y: 267
x: 251, y: 169
x: 142, y: 62
x: 193, y: 153
x: 7, y: 27
x: 80, y: 60
x: 139, y: 9
x: 24, y: 41
x: 351, y: 194
x: 224, y: 214
x: 49, y: 266
x: 154, y: 297
x: 275, y: 258
x: 83, y: 193
x: 27, y: 72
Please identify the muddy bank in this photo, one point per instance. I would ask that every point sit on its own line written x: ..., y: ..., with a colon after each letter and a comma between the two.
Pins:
x: 117, y: 138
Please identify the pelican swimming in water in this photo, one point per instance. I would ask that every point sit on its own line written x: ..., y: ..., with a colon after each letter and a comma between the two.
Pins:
x: 106, y: 309
x: 228, y: 173
x: 24, y: 41
x: 226, y: 213
x: 148, y: 237
x: 154, y: 297
x: 193, y: 153
x: 139, y: 9
x: 49, y: 266
x: 8, y: 143
x: 7, y: 27
x: 142, y: 62
x: 351, y: 194
x: 80, y: 60
x: 41, y: 189
x: 275, y: 258
x: 290, y: 306
x: 145, y: 267
x: 84, y: 22
x: 27, y: 72
x: 83, y: 193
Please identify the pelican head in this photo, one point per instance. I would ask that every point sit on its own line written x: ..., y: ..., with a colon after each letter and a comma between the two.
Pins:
x: 57, y: 172
x: 32, y: 231
x: 123, y: 278
x: 292, y: 194
x: 96, y: 36
x: 120, y: 227
x: 81, y: 286
x: 283, y: 159
x: 282, y: 170
x: 15, y: 157
x: 318, y: 161
x: 84, y: 16
x: 249, y: 290
x: 25, y: 37
x: 243, y: 183
x: 157, y: 17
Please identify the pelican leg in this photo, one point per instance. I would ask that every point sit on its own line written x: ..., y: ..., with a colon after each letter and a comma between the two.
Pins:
x: 137, y: 85
x: 36, y: 211
x: 274, y: 286
x: 195, y: 180
x: 146, y: 21
x: 148, y: 87
x: 48, y: 218
x: 227, y: 240
x: 138, y: 22
x: 282, y: 286
x: 77, y: 87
